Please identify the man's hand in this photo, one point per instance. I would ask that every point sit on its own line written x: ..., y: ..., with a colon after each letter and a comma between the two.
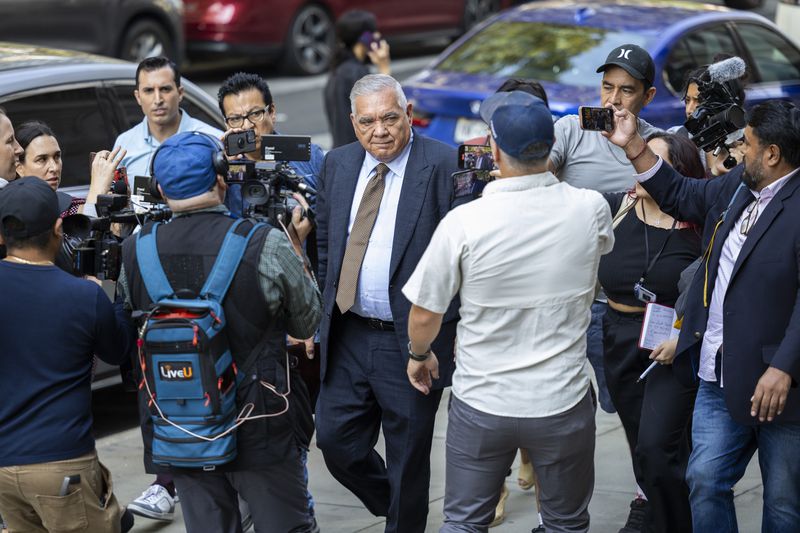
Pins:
x: 769, y: 398
x: 379, y: 55
x: 626, y: 131
x: 665, y: 352
x: 301, y: 225
x: 422, y: 373
x: 308, y: 342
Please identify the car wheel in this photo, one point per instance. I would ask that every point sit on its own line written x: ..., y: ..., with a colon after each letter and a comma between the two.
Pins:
x: 477, y: 10
x: 744, y: 4
x: 310, y: 41
x: 146, y: 38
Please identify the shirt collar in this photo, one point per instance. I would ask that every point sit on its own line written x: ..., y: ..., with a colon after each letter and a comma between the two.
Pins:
x: 769, y: 192
x: 3, y: 182
x: 221, y: 208
x: 397, y: 165
x: 182, y: 126
x: 520, y: 183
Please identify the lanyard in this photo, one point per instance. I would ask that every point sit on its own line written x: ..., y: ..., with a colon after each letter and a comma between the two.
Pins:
x: 650, y: 265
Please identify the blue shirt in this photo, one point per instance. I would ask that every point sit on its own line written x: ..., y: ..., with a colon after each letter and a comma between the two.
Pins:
x: 141, y: 145
x: 372, y: 293
x: 52, y: 323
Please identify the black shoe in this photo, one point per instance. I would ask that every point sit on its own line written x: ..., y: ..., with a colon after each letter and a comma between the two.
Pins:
x: 126, y: 521
x: 538, y: 529
x: 637, y: 517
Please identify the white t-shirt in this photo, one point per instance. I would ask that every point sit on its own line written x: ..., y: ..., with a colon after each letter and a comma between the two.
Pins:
x: 523, y: 259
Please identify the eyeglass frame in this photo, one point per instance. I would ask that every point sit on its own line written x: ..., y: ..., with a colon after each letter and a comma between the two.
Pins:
x: 262, y: 111
x: 751, y: 216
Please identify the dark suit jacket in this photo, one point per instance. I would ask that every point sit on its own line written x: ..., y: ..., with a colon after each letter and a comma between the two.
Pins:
x: 424, y: 201
x: 761, y: 311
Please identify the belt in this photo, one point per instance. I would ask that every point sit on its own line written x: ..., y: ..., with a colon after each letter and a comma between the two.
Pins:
x: 373, y: 323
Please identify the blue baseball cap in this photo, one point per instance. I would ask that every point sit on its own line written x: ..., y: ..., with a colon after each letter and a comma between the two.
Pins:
x: 184, y: 165
x: 521, y: 124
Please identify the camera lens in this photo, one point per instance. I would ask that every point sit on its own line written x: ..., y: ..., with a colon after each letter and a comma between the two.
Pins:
x: 240, y: 142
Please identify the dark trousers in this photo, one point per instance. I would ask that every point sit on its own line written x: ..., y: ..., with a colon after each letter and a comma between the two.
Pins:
x: 276, y: 495
x: 656, y: 415
x: 366, y: 388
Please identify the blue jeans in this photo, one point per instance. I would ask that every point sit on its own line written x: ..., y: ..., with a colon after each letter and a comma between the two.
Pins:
x: 722, y: 450
x: 594, y: 351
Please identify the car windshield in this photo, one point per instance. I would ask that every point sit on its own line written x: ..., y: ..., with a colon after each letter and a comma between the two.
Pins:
x: 542, y: 51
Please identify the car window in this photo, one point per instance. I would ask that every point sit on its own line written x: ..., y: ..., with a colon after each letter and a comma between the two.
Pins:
x: 694, y: 49
x: 546, y: 52
x: 78, y: 122
x: 774, y: 57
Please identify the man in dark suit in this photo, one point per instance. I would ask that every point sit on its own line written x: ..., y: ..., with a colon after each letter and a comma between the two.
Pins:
x: 380, y: 201
x: 741, y: 330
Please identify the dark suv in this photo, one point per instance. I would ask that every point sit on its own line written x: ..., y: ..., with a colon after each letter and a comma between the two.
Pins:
x: 128, y: 29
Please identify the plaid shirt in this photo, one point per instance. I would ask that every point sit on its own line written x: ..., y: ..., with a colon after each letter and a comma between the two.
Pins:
x: 287, y: 289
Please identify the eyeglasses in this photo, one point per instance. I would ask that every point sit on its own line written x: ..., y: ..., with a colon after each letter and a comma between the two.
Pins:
x: 751, y: 214
x: 237, y: 121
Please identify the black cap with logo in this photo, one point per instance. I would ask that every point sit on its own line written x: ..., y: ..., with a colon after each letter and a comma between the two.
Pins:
x: 634, y: 60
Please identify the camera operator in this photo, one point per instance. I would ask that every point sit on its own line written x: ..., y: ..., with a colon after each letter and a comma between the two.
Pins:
x: 246, y: 103
x: 270, y: 295
x: 693, y: 99
x: 739, y: 333
x: 524, y: 259
x: 159, y: 93
x: 45, y: 368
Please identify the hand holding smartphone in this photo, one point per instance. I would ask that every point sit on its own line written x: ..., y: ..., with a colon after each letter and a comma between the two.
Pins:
x: 596, y: 118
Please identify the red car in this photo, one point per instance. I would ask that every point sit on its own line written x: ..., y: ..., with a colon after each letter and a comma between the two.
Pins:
x: 300, y: 33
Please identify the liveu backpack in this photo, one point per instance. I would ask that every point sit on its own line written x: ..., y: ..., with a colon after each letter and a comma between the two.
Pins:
x: 189, y: 375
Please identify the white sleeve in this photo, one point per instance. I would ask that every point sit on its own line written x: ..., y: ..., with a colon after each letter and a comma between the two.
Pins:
x: 647, y: 174
x: 437, y: 278
x: 605, y: 228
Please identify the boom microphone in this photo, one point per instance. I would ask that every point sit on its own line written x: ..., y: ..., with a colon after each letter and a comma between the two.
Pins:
x: 730, y: 69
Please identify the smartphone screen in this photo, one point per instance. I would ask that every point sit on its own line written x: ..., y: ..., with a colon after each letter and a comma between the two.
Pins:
x: 477, y: 156
x: 596, y: 118
x: 470, y: 183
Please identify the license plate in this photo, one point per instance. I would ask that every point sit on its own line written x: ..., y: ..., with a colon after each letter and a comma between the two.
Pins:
x: 467, y: 129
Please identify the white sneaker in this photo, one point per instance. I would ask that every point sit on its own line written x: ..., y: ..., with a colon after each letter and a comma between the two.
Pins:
x: 155, y: 503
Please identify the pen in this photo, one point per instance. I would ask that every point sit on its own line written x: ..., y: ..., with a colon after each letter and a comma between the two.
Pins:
x: 649, y: 368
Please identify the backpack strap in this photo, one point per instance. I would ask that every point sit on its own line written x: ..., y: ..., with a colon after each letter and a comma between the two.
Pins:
x: 153, y: 276
x: 228, y: 259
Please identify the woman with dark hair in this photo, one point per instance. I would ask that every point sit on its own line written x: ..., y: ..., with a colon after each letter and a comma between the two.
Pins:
x: 651, y: 250
x: 41, y: 157
x: 358, y: 44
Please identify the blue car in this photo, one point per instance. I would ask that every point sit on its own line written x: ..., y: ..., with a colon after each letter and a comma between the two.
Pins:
x: 561, y: 44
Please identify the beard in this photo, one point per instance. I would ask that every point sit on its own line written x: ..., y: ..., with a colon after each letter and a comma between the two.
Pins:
x: 753, y: 175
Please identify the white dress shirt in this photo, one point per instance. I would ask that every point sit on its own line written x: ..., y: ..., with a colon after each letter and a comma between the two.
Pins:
x: 712, y: 339
x: 372, y: 293
x: 523, y: 259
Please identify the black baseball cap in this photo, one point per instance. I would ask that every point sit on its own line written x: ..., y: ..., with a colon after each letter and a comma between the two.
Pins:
x: 634, y: 60
x: 32, y: 202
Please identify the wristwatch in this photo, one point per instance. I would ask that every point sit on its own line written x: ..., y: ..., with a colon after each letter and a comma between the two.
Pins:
x: 418, y: 356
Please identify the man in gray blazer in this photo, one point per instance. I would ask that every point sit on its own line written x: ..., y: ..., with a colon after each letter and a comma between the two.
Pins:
x: 380, y: 201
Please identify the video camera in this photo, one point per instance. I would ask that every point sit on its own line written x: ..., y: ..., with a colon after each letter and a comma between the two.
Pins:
x: 267, y: 185
x: 89, y: 246
x: 716, y: 123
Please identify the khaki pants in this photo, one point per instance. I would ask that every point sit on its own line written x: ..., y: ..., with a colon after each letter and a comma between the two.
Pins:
x: 29, y: 500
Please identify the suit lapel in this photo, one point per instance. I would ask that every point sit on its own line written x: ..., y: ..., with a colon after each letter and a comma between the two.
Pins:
x: 347, y: 171
x: 764, y: 221
x: 412, y: 196
x: 743, y: 199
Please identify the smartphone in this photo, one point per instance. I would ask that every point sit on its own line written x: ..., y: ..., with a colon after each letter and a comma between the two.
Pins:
x: 470, y: 183
x: 240, y: 143
x: 475, y: 156
x: 596, y: 118
x: 367, y: 38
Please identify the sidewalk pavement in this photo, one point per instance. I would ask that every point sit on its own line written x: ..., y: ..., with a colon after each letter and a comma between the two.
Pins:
x: 338, y: 511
